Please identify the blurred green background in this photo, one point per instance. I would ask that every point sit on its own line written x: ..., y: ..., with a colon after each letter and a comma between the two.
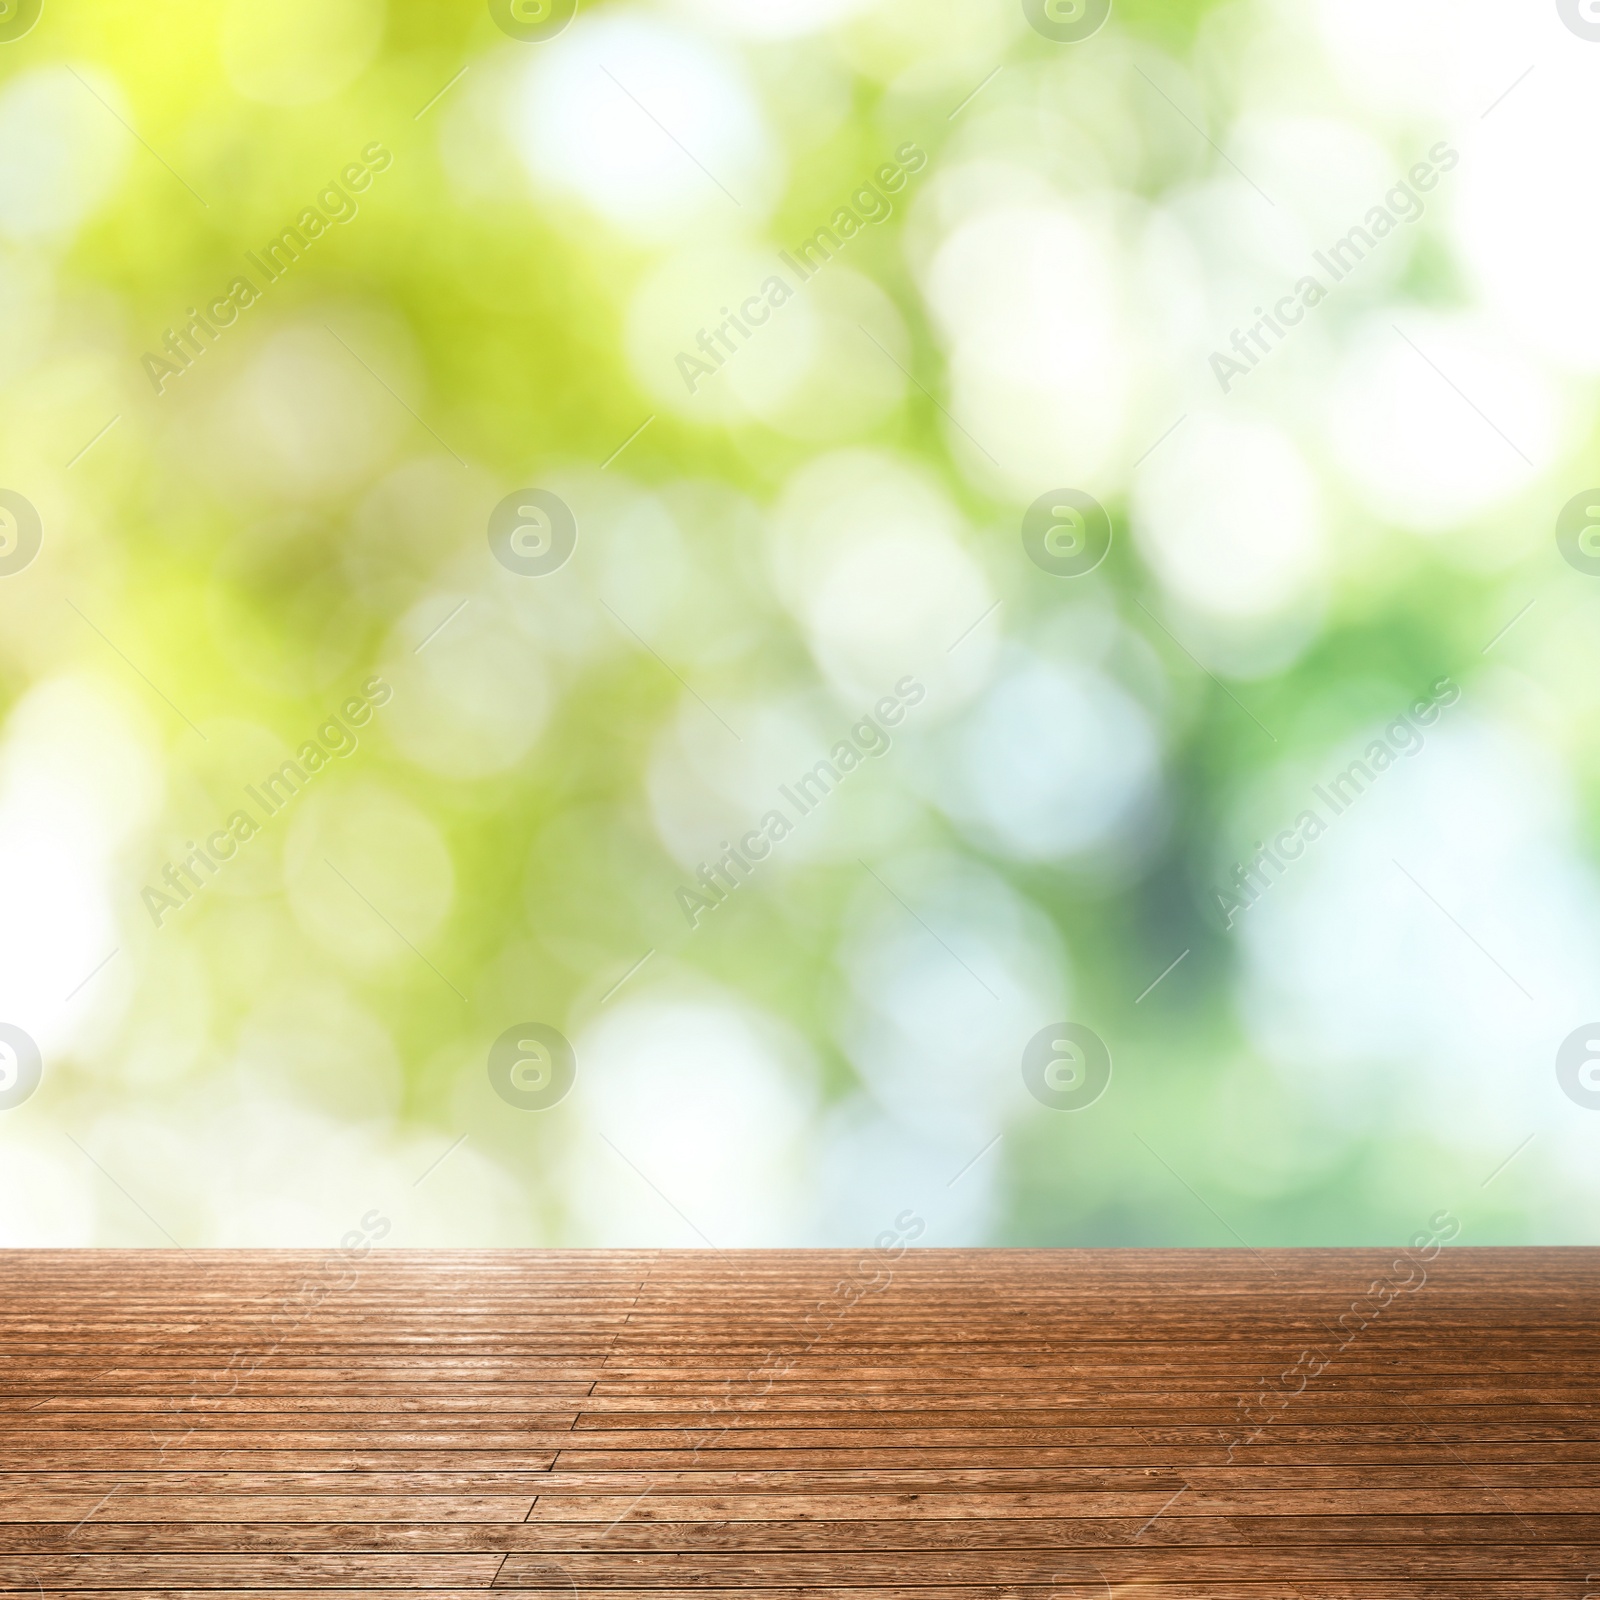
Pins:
x: 248, y: 529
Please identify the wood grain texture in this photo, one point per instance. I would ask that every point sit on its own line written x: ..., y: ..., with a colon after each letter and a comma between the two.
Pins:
x: 929, y: 1424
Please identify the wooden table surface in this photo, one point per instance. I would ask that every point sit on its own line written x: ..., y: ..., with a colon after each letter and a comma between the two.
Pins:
x: 1164, y: 1424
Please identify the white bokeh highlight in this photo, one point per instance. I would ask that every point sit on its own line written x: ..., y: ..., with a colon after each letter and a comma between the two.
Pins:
x: 647, y: 124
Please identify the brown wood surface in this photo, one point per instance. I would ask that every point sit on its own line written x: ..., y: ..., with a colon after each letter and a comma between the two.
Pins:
x: 937, y: 1425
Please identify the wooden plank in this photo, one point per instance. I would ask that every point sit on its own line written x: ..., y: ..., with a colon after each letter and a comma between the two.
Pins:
x: 464, y: 1525
x: 673, y: 1505
x: 83, y: 1518
x: 256, y: 1569
x: 783, y: 1569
